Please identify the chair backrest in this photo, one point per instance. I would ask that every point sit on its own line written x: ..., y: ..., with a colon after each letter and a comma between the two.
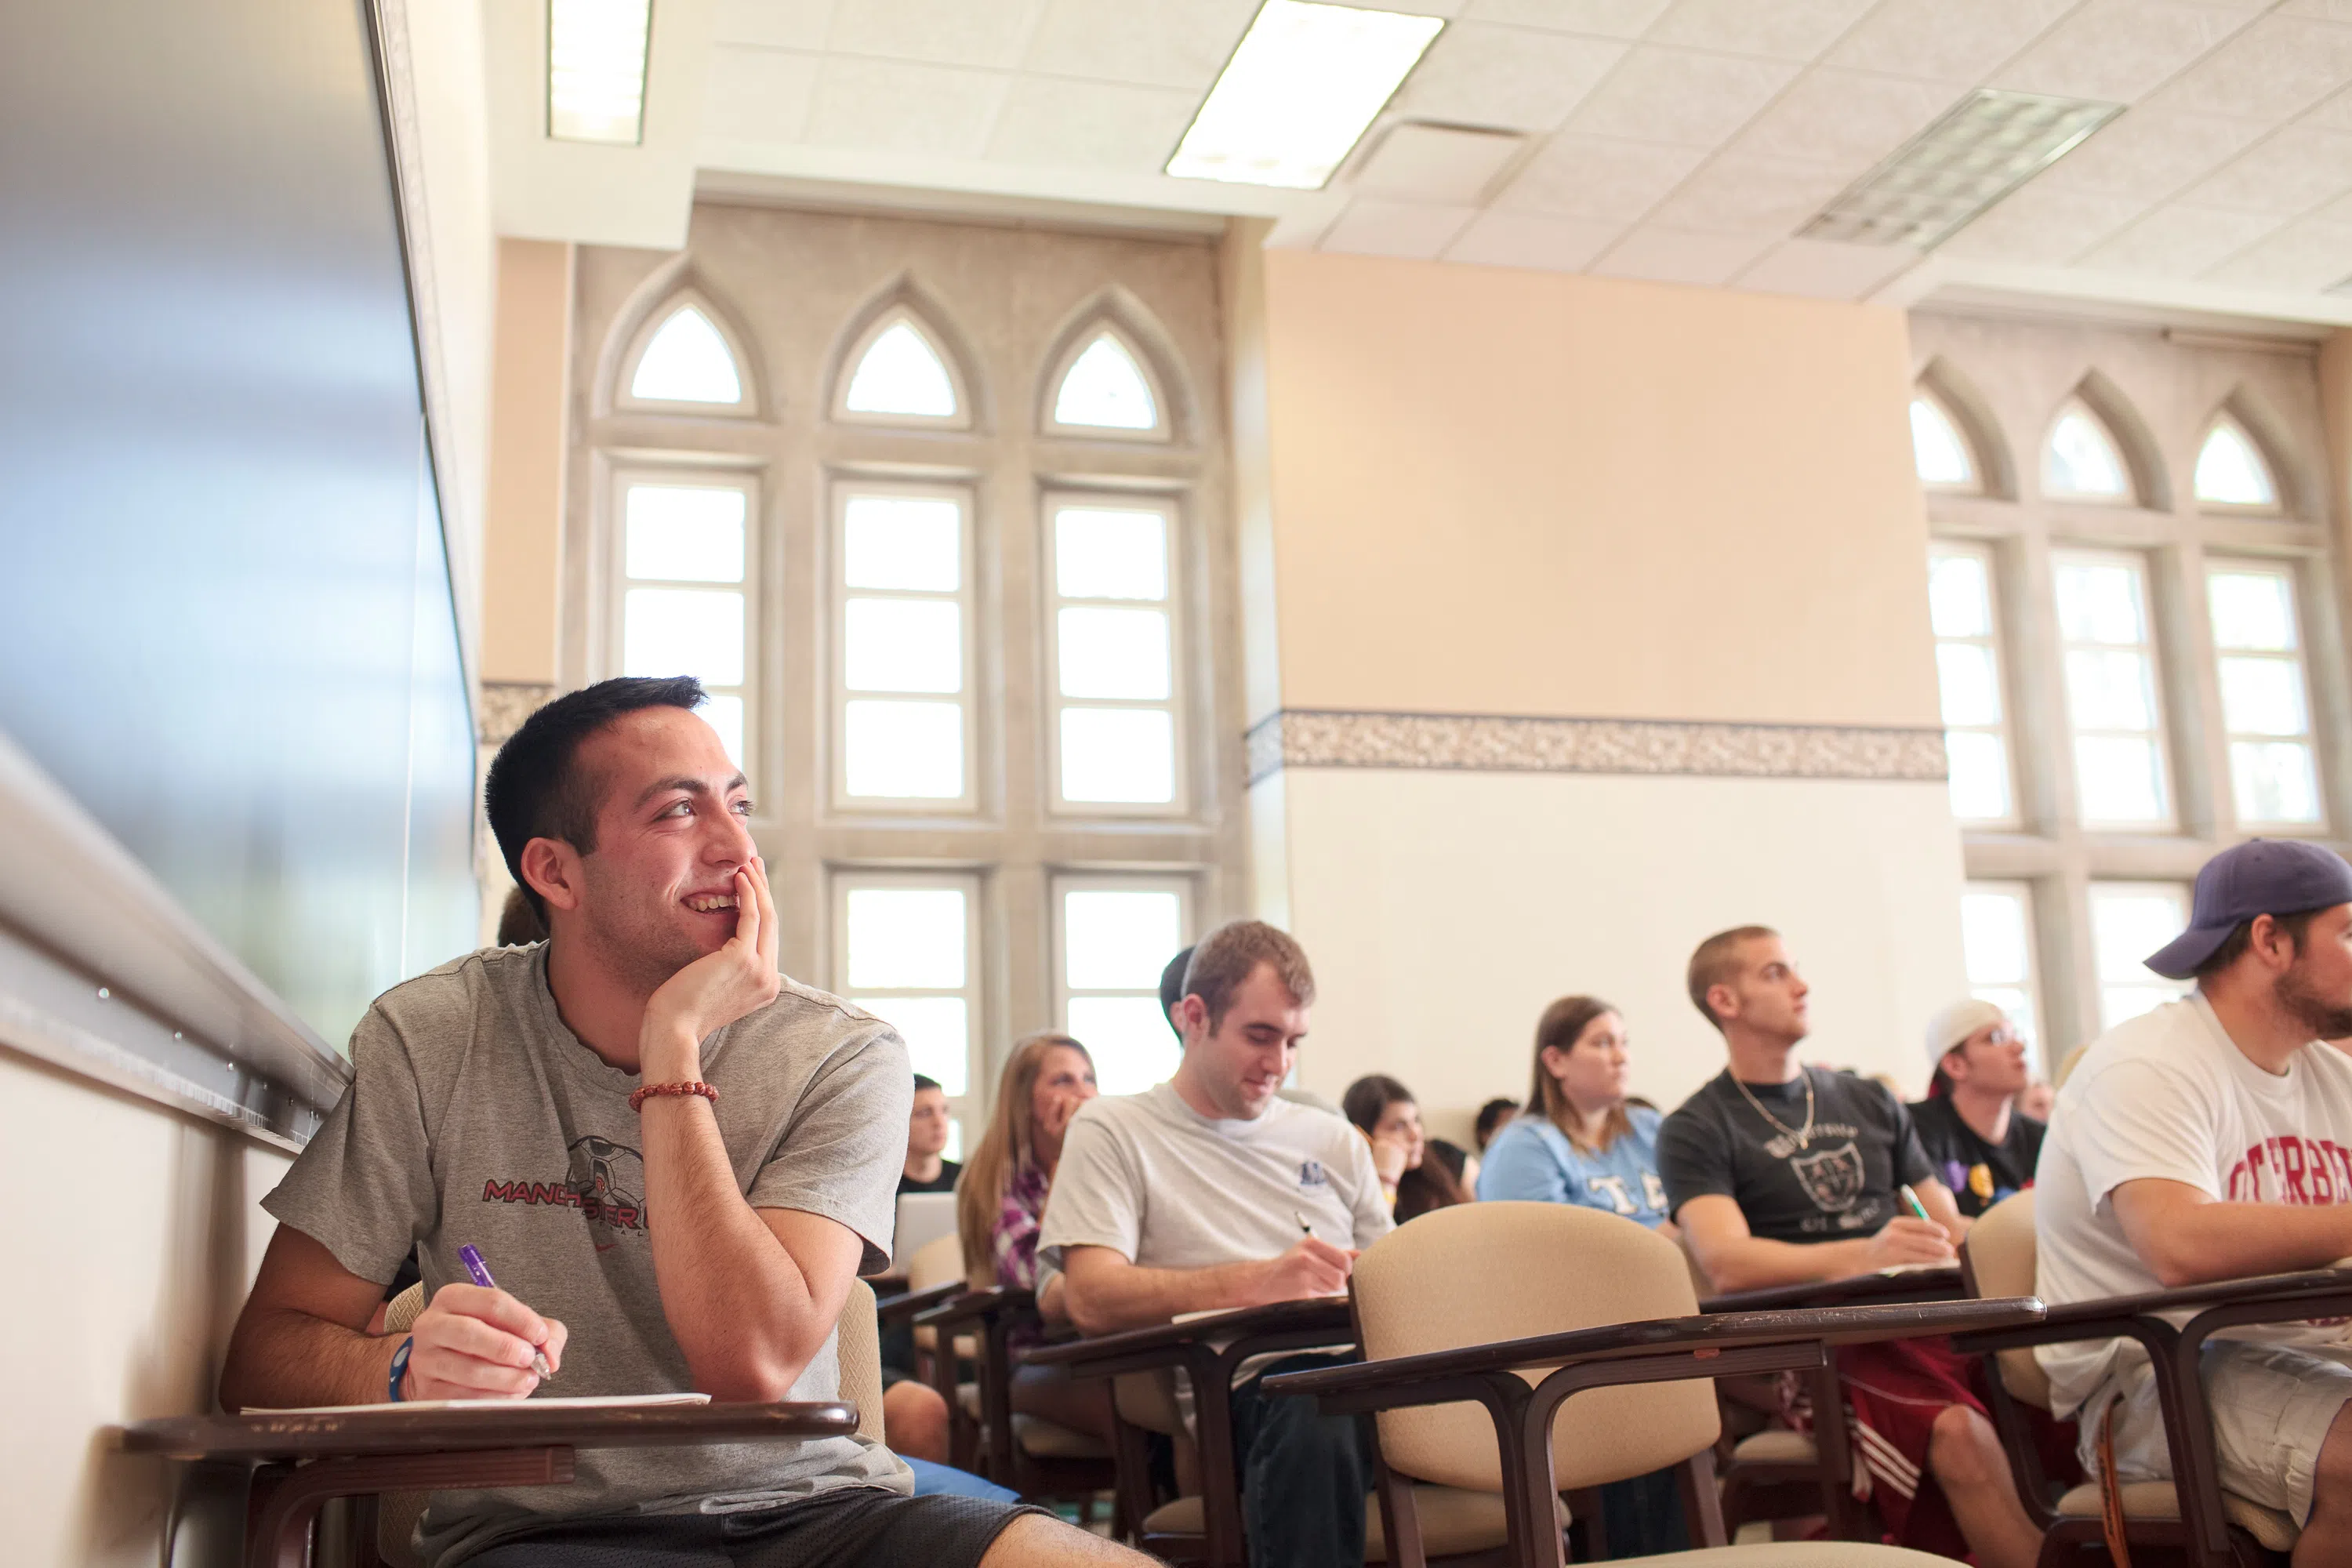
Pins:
x: 1477, y: 1273
x: 935, y: 1263
x: 2000, y: 1258
x: 860, y: 1351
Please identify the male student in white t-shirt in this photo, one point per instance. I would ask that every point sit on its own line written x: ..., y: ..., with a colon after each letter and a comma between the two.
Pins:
x: 1193, y: 1197
x: 2212, y: 1140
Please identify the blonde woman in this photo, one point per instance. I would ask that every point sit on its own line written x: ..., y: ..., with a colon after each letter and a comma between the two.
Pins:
x: 1001, y: 1202
x: 1579, y: 1141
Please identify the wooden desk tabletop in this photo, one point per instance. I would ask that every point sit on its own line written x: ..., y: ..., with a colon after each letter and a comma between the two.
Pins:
x: 1910, y: 1284
x: 391, y: 1429
x: 1327, y: 1314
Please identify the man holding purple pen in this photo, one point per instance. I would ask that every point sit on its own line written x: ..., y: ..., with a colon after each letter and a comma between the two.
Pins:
x: 676, y: 1158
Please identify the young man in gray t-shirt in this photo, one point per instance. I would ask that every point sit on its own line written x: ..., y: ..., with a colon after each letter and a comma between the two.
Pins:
x: 1210, y: 1192
x: 675, y: 1160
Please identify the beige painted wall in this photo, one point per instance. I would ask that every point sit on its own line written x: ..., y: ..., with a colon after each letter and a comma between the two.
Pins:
x: 522, y: 554
x: 1518, y: 492
x: 1442, y: 912
x: 138, y: 1233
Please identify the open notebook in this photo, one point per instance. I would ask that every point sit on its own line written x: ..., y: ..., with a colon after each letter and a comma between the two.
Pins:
x: 615, y: 1401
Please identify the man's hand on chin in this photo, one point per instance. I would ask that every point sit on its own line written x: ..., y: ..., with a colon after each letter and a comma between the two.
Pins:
x: 716, y: 989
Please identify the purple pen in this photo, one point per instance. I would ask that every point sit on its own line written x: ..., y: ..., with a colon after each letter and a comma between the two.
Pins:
x: 481, y: 1273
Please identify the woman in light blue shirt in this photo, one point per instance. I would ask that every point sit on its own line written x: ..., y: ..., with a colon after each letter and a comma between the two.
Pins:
x: 1578, y: 1142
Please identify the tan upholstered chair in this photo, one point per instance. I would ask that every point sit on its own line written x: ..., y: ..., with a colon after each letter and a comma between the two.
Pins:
x: 2000, y: 1257
x: 1482, y: 1273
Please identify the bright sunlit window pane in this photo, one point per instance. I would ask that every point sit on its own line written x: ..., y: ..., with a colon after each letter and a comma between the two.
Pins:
x: 1114, y: 653
x: 904, y: 751
x: 2272, y: 781
x: 938, y: 1032
x: 1101, y: 554
x: 2253, y: 610
x: 902, y: 373
x: 1118, y: 755
x: 2230, y: 470
x: 1997, y: 946
x: 2265, y: 699
x: 2130, y: 920
x: 684, y: 533
x: 596, y: 69
x: 1130, y: 1039
x: 907, y: 939
x: 1968, y: 674
x: 2262, y: 697
x: 1980, y: 783
x: 1106, y: 388
x: 683, y: 631
x: 2111, y: 693
x: 725, y: 714
x: 1971, y: 690
x: 912, y: 543
x: 686, y: 361
x: 2081, y: 461
x: 1120, y: 939
x: 1937, y: 448
x: 1959, y: 599
x: 903, y: 645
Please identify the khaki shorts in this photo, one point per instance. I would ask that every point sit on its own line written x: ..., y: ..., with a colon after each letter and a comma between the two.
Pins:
x: 2271, y: 1407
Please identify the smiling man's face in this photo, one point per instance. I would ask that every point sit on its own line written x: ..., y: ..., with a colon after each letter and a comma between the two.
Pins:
x: 672, y: 828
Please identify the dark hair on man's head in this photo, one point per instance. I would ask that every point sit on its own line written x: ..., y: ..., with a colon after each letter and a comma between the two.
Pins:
x: 536, y: 787
x: 1230, y: 954
x: 924, y: 1081
x: 1715, y: 963
x: 1491, y: 1117
x: 2233, y: 946
x: 1171, y: 988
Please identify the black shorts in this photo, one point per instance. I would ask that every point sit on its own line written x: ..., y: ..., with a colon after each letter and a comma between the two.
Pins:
x: 849, y: 1527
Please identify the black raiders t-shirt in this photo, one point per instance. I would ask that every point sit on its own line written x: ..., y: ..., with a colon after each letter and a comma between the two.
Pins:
x: 1979, y: 1173
x: 1838, y: 1184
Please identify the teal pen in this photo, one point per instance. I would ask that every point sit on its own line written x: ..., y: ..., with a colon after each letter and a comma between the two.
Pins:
x: 481, y: 1273
x: 1916, y: 1206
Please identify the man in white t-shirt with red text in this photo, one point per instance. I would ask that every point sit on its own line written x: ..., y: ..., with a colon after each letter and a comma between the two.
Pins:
x: 2211, y: 1139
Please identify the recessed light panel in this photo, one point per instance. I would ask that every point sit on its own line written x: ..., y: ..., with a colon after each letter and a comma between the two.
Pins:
x: 596, y: 69
x: 1300, y: 88
x: 1986, y: 146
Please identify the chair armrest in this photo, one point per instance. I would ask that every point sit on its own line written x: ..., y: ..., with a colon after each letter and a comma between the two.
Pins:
x: 895, y: 1309
x: 2262, y: 1298
x: 396, y: 1429
x: 978, y: 1307
x: 1277, y: 1325
x: 1939, y: 1284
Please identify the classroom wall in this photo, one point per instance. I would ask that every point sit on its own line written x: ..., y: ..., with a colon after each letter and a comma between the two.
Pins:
x: 1597, y: 623
x: 523, y: 522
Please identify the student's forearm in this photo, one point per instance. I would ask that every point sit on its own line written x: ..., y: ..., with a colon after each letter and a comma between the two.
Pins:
x: 2196, y: 1243
x: 282, y: 1359
x: 736, y: 1302
x: 1125, y: 1296
x: 1753, y: 1263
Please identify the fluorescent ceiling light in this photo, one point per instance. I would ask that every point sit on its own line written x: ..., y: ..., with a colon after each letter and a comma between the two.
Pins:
x: 596, y: 69
x: 1300, y: 88
x: 1984, y: 147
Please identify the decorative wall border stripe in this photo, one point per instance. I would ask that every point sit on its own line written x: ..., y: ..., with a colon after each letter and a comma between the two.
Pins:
x: 1326, y: 738
x: 504, y: 706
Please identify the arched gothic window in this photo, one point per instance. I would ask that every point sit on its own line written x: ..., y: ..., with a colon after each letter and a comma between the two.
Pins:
x: 1102, y: 387
x: 684, y: 358
x: 897, y: 374
x: 2081, y: 461
x: 2231, y: 471
x: 1939, y: 449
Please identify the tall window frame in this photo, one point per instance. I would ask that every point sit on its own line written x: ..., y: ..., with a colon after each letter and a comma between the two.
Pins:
x: 738, y: 694
x: 626, y: 397
x: 2093, y: 652
x: 1061, y: 703
x: 963, y: 1081
x: 2235, y: 654
x: 1131, y: 991
x: 1970, y: 670
x: 2001, y: 949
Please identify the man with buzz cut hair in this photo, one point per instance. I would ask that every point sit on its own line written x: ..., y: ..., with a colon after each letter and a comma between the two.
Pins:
x: 1191, y: 1197
x: 2209, y: 1139
x: 675, y: 1160
x: 1781, y: 1173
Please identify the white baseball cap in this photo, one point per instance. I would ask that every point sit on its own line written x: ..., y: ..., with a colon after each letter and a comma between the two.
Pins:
x: 1955, y: 1024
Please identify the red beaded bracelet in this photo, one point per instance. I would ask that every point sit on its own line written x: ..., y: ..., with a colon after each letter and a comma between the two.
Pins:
x: 637, y: 1101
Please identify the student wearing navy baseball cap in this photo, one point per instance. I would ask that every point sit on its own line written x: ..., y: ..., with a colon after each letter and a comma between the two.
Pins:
x: 2211, y: 1139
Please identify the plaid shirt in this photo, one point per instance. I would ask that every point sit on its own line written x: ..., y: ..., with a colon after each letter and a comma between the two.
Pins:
x: 1013, y: 1240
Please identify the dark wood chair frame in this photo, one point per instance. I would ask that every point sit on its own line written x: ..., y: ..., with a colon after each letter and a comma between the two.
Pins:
x: 298, y: 1462
x: 1768, y: 1489
x: 1659, y: 1351
x: 1207, y: 1350
x: 2203, y: 1533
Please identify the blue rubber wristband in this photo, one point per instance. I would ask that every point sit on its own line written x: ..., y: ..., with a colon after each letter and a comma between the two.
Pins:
x: 400, y: 1367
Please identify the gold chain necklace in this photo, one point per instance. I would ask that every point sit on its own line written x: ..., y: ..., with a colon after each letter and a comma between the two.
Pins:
x: 1803, y: 1135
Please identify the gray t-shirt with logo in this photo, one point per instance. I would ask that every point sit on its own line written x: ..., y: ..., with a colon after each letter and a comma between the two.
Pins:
x: 1166, y: 1187
x: 475, y: 1117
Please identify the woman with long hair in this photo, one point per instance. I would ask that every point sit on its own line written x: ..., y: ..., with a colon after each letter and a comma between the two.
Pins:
x: 1418, y: 1173
x: 1580, y: 1139
x: 1001, y: 1203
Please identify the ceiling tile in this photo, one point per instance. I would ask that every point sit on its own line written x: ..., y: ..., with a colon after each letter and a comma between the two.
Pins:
x: 1588, y: 177
x: 2334, y: 10
x: 1824, y: 270
x: 1680, y: 97
x: 2178, y: 241
x: 2043, y: 226
x: 889, y: 107
x: 2149, y: 154
x: 757, y: 95
x: 2303, y: 256
x: 779, y: 23
x: 2273, y: 69
x: 1522, y: 239
x: 2334, y: 114
x: 2118, y: 51
x: 1480, y: 74
x: 1846, y: 117
x: 2292, y: 173
x: 1783, y: 29
x: 1374, y: 227
x: 1743, y: 194
x: 1939, y: 41
x: 1416, y: 162
x: 947, y: 32
x: 1602, y: 18
x: 1167, y: 43
x: 1669, y: 256
x: 1089, y: 124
